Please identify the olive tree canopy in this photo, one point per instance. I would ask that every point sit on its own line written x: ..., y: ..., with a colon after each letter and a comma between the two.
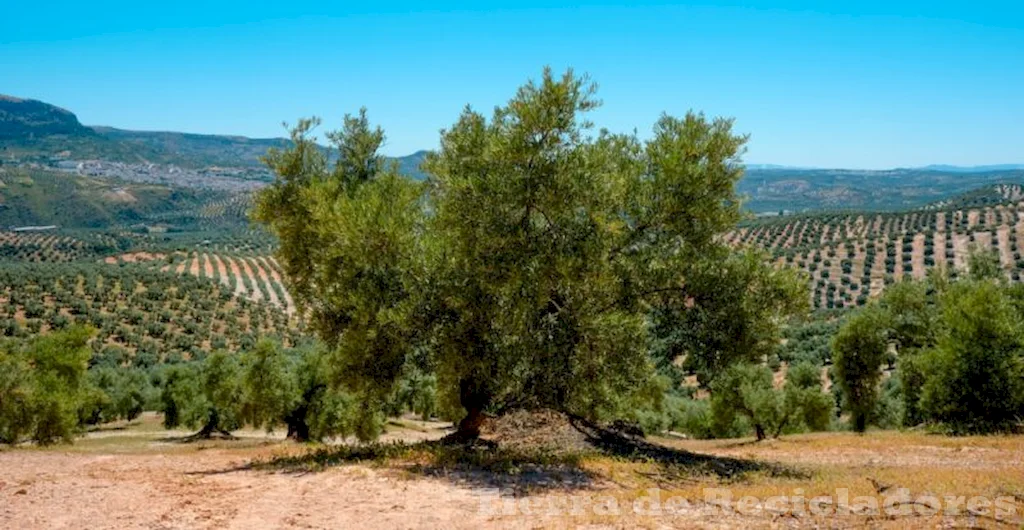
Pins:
x: 525, y: 271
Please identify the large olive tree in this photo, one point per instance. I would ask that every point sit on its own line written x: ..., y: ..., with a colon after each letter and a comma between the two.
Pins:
x: 527, y: 268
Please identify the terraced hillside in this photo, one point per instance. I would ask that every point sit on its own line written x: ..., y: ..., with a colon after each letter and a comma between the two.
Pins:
x: 143, y: 316
x: 257, y: 278
x: 853, y: 256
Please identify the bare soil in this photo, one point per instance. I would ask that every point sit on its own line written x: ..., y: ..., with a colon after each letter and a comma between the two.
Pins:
x: 139, y: 476
x: 263, y: 277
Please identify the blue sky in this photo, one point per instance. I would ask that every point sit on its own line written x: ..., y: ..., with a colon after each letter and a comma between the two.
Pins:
x: 834, y: 84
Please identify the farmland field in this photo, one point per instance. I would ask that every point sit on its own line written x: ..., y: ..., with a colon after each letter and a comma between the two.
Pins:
x: 851, y: 257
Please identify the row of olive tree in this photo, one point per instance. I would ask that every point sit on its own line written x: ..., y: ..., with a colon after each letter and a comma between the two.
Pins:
x: 542, y: 264
x: 960, y: 347
x: 270, y: 387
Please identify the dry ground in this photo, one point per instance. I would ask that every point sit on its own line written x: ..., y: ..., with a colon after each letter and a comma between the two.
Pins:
x: 143, y: 477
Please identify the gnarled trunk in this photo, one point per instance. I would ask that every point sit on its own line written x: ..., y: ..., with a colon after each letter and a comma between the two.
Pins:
x: 475, y: 400
x: 212, y: 426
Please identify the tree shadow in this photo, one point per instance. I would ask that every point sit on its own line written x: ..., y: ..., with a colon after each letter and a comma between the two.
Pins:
x: 198, y: 437
x: 107, y: 428
x: 676, y: 462
x: 484, y: 464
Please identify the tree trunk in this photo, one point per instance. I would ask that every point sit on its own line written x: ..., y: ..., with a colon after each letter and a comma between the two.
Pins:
x: 860, y: 422
x: 212, y: 426
x: 212, y: 423
x: 759, y: 431
x: 474, y: 400
x: 298, y: 429
x: 298, y: 432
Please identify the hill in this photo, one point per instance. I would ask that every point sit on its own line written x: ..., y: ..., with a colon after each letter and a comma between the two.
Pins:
x: 973, y: 169
x: 410, y: 165
x: 33, y: 131
x: 39, y: 197
x: 850, y: 256
x: 804, y: 190
x: 28, y: 118
x: 36, y: 132
x: 195, y: 150
x: 143, y: 315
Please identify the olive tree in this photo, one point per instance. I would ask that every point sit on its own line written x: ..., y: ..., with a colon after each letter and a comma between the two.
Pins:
x: 859, y: 350
x: 973, y: 380
x: 526, y: 267
x: 204, y: 395
x: 289, y: 387
x: 747, y: 390
x: 43, y: 386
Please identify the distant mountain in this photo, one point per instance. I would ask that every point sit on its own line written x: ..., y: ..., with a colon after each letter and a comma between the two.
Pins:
x: 973, y: 169
x: 195, y: 149
x: 770, y: 167
x: 410, y: 165
x: 775, y: 190
x: 28, y: 118
x: 35, y: 131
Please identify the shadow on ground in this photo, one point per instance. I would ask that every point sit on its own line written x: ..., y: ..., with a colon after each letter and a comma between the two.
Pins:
x: 522, y: 470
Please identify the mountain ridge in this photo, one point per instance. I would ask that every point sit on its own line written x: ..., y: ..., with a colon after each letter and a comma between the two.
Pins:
x: 36, y: 132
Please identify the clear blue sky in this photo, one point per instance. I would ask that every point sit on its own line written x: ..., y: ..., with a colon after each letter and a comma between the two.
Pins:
x: 865, y: 84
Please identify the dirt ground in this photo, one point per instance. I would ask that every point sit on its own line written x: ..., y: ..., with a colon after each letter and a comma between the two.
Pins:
x: 144, y: 477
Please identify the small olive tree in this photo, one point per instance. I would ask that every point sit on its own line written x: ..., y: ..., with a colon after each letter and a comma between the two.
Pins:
x: 747, y: 390
x: 204, y: 395
x: 43, y: 386
x: 291, y: 388
x: 859, y: 351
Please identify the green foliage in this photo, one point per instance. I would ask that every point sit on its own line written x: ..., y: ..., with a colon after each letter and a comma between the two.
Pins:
x: 206, y: 395
x: 528, y: 267
x: 859, y: 349
x: 974, y: 378
x: 910, y: 311
x: 746, y: 390
x: 16, y: 396
x: 416, y: 392
x: 738, y: 306
x: 809, y: 340
x: 44, y: 389
x: 984, y: 265
x: 910, y: 373
x: 119, y: 393
x: 291, y: 387
x: 695, y: 419
x: 268, y: 390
